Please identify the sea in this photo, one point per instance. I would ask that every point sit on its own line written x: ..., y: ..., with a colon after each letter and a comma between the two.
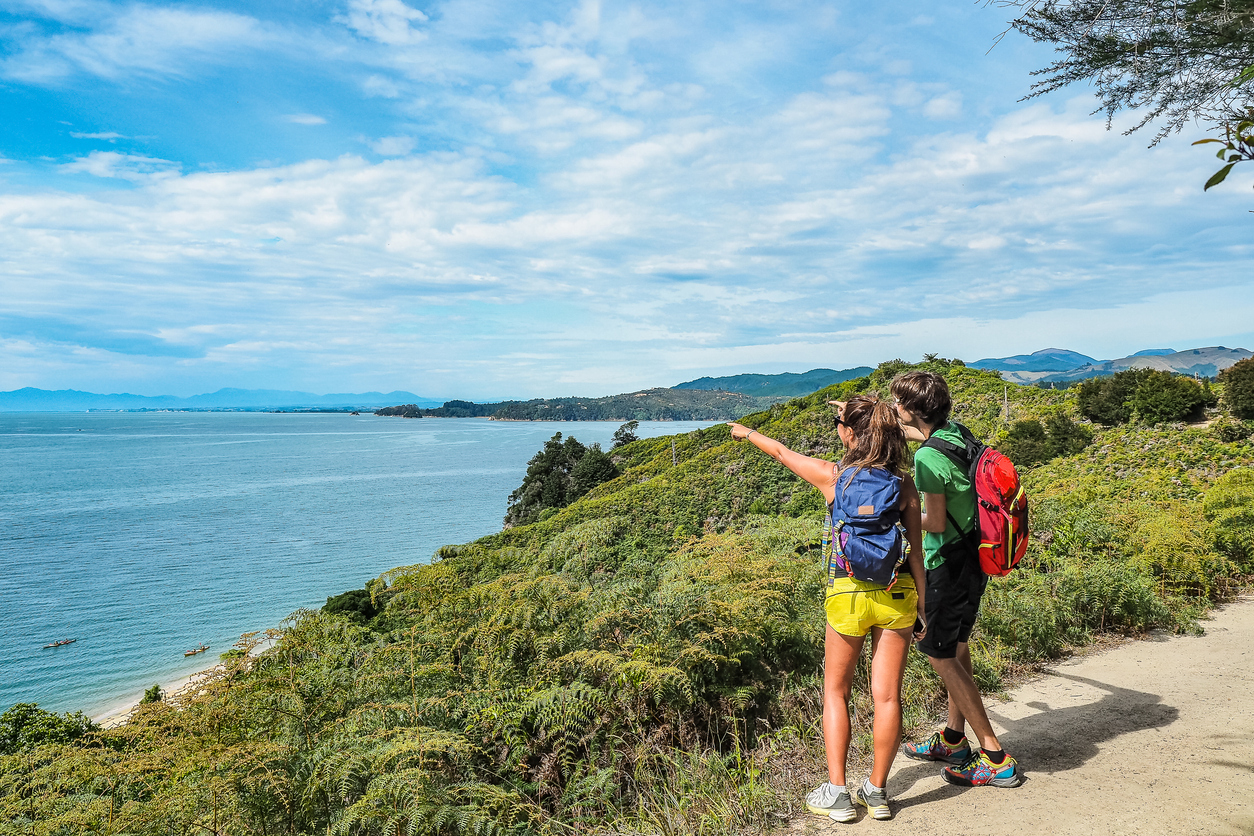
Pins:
x: 143, y: 535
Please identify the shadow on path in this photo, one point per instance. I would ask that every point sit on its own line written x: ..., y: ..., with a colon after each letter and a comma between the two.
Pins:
x: 1053, y: 740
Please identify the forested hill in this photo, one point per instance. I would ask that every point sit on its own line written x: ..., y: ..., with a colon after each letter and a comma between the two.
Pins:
x: 781, y: 386
x: 644, y: 660
x: 649, y: 405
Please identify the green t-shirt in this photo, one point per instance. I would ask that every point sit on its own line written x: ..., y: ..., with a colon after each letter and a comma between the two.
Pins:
x: 934, y: 472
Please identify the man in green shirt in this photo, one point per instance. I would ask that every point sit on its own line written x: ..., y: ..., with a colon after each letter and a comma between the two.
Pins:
x: 955, y: 584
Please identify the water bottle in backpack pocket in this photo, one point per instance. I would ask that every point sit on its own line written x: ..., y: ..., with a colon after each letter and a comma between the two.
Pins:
x: 862, y: 534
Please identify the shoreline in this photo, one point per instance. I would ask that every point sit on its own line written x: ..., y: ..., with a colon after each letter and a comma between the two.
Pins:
x: 116, y: 712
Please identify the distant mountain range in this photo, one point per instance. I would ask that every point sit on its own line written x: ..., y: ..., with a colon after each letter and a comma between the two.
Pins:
x: 1045, y: 360
x: 1058, y: 365
x: 71, y: 400
x: 1047, y: 365
x: 785, y: 385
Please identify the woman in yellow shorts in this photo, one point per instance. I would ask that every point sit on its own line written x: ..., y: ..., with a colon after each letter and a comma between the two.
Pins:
x: 873, y: 438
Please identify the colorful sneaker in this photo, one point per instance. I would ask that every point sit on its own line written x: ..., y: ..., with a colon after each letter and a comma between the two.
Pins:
x: 936, y: 749
x: 875, y: 802
x: 979, y: 771
x: 829, y: 801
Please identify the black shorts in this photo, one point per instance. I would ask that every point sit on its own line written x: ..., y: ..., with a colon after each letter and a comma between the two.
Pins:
x: 953, y: 597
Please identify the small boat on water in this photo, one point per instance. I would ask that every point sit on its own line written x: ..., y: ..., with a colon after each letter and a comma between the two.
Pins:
x: 60, y: 643
x: 196, y: 650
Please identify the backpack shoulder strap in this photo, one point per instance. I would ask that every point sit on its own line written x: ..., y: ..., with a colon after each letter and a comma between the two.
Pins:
x: 958, y: 455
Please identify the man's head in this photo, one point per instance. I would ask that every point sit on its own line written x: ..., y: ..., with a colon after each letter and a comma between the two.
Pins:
x: 924, y: 395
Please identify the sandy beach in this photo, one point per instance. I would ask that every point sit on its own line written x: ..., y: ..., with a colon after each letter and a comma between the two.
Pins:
x: 115, y: 713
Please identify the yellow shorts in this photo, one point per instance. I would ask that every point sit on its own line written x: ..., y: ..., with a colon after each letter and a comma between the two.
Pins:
x: 854, y: 607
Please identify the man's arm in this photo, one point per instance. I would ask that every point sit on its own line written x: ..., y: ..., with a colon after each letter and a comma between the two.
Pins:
x: 934, y: 513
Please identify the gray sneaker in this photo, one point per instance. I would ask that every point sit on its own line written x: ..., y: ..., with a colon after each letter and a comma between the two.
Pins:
x: 831, y: 802
x: 876, y: 803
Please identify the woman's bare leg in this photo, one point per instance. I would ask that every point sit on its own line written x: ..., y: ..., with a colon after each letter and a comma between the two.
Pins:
x: 889, y: 650
x: 840, y: 656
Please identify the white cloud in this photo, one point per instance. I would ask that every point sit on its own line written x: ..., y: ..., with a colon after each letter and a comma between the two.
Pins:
x: 625, y: 192
x: 945, y: 106
x: 139, y: 39
x: 386, y: 21
x: 392, y: 146
x: 109, y: 135
x: 111, y: 164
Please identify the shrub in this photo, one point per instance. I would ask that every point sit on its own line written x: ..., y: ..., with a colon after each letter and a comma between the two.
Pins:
x: 1238, y: 381
x: 1031, y: 442
x: 1146, y: 394
x: 26, y: 725
x: 356, y: 604
x: 1105, y: 399
x: 1066, y: 437
x: 1229, y: 508
x: 1162, y: 396
x: 1026, y: 444
x: 1229, y: 431
x: 151, y: 695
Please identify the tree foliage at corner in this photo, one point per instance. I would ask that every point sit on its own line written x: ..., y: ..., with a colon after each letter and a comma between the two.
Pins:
x: 1173, y: 61
x: 556, y: 476
x: 1238, y: 381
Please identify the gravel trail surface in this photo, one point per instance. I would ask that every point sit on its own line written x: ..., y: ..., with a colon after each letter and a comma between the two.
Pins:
x: 1149, y: 737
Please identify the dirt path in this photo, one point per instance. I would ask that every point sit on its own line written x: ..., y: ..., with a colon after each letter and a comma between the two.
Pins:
x: 1152, y: 737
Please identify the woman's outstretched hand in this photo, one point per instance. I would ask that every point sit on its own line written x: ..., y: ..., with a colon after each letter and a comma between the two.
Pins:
x: 739, y: 431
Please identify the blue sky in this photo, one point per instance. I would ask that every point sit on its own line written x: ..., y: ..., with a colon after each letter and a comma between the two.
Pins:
x: 480, y: 198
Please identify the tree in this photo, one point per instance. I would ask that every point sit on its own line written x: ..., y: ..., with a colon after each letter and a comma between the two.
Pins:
x: 1175, y: 61
x: 594, y: 468
x: 1031, y: 442
x: 153, y: 694
x: 557, y: 476
x: 625, y: 434
x: 1105, y: 399
x: 1162, y: 396
x: 1148, y: 395
x: 1026, y: 444
x: 1238, y: 381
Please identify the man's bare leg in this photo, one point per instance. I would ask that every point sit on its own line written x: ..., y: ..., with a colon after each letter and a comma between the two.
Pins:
x: 958, y: 720
x: 965, y: 696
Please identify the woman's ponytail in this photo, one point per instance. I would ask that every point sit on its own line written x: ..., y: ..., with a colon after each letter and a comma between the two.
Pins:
x: 879, y: 441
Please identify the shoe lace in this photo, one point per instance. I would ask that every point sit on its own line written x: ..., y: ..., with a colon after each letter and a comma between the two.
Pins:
x: 970, y: 762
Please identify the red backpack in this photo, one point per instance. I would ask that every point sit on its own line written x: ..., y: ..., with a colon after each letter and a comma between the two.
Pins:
x: 1001, y: 502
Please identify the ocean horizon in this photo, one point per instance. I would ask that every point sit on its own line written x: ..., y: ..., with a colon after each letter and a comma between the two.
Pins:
x: 143, y: 535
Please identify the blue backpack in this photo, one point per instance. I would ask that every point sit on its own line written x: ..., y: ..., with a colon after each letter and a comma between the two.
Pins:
x: 862, y: 535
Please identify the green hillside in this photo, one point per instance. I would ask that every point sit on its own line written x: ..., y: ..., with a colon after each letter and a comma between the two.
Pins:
x: 646, y: 660
x: 649, y: 405
x: 786, y: 385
